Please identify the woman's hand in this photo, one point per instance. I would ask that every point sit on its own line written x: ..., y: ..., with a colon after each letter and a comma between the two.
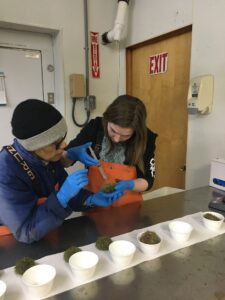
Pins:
x: 124, y: 185
x: 80, y: 153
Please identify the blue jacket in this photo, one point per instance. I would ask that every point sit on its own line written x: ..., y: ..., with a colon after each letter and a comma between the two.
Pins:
x: 19, y: 210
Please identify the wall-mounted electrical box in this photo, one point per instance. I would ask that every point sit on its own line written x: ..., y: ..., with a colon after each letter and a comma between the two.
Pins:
x: 77, y: 86
x: 77, y: 92
x: 200, y: 94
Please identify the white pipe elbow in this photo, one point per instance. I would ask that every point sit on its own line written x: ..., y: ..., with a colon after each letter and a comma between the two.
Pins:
x: 116, y: 33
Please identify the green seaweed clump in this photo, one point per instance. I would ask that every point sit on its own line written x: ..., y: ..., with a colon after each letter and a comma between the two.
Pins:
x: 108, y: 187
x: 70, y: 251
x: 103, y: 242
x: 211, y: 217
x: 23, y: 264
x: 150, y: 237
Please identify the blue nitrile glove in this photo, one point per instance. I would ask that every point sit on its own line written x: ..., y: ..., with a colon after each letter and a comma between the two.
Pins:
x: 103, y: 199
x: 124, y: 185
x: 71, y: 186
x: 80, y: 153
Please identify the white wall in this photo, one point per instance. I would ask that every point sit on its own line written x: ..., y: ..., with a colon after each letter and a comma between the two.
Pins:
x: 206, y: 133
x: 148, y: 19
x: 67, y: 17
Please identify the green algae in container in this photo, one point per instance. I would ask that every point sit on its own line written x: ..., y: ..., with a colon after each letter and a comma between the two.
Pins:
x: 108, y: 187
x: 24, y: 264
x: 150, y: 237
x: 211, y: 217
x: 70, y: 251
x: 103, y: 243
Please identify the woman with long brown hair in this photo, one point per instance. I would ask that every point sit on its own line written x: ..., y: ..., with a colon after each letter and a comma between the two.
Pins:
x: 125, y: 147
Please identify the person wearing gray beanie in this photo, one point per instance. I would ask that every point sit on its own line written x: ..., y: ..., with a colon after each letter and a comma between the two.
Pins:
x: 36, y: 124
x: 36, y: 193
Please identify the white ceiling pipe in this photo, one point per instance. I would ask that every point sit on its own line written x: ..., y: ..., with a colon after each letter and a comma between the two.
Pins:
x: 115, y: 34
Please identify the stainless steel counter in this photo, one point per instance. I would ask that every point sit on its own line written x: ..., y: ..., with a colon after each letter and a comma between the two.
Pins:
x: 196, y: 272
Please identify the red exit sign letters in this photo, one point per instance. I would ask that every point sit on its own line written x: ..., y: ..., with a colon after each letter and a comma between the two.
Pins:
x: 95, y: 64
x: 158, y: 63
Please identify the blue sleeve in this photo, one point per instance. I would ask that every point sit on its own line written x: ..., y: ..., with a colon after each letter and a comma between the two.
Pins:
x: 27, y: 220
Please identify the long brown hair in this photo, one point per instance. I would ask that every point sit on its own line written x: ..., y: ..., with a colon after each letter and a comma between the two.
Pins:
x: 129, y: 112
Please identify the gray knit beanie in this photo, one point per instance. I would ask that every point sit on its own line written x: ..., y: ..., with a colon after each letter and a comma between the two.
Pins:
x: 37, y: 124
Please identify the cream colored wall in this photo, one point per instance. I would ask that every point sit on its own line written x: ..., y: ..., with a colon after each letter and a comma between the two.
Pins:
x: 206, y: 139
x: 67, y: 17
x: 148, y: 19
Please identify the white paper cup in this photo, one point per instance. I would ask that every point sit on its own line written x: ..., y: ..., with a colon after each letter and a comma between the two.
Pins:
x: 150, y: 249
x: 122, y: 252
x: 180, y: 230
x: 39, y: 279
x: 213, y: 224
x: 2, y: 290
x: 83, y: 264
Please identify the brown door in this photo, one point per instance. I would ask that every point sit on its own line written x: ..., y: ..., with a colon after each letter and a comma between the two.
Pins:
x: 165, y: 97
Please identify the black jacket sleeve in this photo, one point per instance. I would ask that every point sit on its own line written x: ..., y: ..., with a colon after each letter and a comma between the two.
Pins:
x: 149, y: 160
x: 88, y: 133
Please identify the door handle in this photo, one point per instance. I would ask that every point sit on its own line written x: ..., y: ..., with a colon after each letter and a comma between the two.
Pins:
x: 183, y: 169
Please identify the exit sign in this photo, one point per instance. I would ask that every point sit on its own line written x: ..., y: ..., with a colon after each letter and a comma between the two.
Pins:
x: 158, y: 63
